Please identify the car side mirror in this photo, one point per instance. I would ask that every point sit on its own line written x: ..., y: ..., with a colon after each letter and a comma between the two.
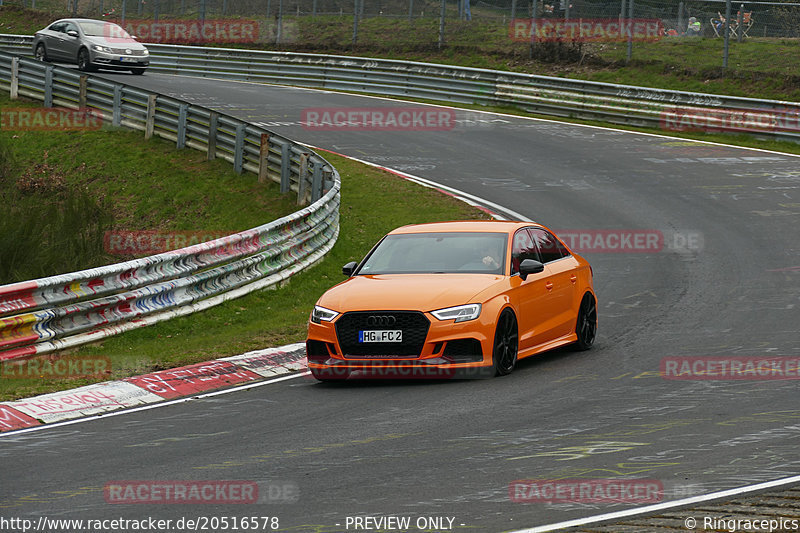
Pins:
x: 72, y: 33
x: 349, y: 268
x: 529, y: 266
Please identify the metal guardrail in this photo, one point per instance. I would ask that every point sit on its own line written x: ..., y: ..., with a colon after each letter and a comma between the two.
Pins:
x: 56, y: 312
x: 607, y: 102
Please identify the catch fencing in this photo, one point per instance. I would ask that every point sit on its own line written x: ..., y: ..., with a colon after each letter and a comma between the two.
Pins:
x: 57, y: 312
x: 763, y: 18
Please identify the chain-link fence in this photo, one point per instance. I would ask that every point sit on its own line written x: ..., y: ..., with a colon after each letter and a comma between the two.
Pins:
x: 488, y: 25
x: 762, y: 19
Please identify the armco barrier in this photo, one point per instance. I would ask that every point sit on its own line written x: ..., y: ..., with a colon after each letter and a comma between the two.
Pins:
x: 617, y: 104
x: 52, y: 313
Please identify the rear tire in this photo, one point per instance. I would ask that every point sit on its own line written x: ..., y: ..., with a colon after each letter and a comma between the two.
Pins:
x: 506, y: 344
x: 586, y: 326
x: 41, y: 53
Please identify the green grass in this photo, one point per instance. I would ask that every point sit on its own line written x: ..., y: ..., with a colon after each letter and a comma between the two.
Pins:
x: 373, y: 202
x: 63, y: 191
x: 757, y: 68
x: 21, y: 21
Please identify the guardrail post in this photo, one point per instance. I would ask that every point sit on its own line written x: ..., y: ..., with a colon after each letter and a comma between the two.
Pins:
x: 150, y: 121
x: 183, y: 110
x: 286, y: 167
x: 302, y: 183
x: 263, y: 159
x: 116, y: 112
x: 82, y: 91
x: 238, y: 149
x: 48, y: 87
x: 213, y: 118
x: 316, y: 184
x: 14, y: 92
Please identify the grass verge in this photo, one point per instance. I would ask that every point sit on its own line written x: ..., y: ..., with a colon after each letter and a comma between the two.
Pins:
x: 373, y: 202
x: 758, y: 67
x: 62, y: 191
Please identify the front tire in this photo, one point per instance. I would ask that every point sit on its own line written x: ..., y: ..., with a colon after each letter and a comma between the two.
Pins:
x: 506, y: 344
x: 41, y: 53
x: 586, y: 326
x: 84, y: 63
x: 138, y: 71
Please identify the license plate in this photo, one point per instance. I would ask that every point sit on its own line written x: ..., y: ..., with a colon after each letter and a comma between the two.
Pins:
x: 380, y: 336
x: 128, y: 59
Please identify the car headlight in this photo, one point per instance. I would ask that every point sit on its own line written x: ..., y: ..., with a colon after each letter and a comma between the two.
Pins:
x: 146, y: 52
x: 98, y: 48
x: 320, y: 315
x: 460, y: 313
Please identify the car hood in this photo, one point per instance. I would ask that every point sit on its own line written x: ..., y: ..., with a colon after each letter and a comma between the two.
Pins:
x: 115, y: 42
x: 401, y: 292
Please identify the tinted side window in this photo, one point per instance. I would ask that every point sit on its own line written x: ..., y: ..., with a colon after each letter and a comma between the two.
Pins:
x: 57, y: 26
x: 550, y: 248
x: 70, y: 26
x: 524, y: 248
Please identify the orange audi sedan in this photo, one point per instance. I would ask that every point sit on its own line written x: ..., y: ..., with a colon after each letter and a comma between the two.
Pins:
x: 453, y: 299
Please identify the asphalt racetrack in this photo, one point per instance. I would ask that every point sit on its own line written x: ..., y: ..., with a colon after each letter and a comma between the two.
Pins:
x: 722, y: 280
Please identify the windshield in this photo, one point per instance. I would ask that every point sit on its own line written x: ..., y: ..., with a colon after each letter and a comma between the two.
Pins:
x: 95, y: 28
x: 427, y: 253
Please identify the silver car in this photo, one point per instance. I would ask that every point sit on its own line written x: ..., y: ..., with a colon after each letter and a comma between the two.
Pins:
x: 91, y: 44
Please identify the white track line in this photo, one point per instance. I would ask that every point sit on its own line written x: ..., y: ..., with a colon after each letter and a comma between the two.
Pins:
x: 154, y: 406
x: 496, y: 113
x: 661, y: 506
x: 468, y: 198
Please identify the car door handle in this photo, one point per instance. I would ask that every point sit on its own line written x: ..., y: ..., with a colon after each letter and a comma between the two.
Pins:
x: 549, y: 285
x: 573, y: 278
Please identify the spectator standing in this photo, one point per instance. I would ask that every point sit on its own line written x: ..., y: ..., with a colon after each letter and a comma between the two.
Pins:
x: 693, y: 29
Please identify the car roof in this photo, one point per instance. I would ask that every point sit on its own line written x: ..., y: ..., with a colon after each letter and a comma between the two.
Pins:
x: 481, y: 226
x: 81, y: 20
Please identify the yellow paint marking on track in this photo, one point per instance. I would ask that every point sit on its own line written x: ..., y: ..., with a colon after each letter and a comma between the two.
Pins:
x: 570, y: 453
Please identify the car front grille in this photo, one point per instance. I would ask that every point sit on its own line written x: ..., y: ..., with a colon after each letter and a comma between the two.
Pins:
x: 121, y: 51
x: 413, y: 324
